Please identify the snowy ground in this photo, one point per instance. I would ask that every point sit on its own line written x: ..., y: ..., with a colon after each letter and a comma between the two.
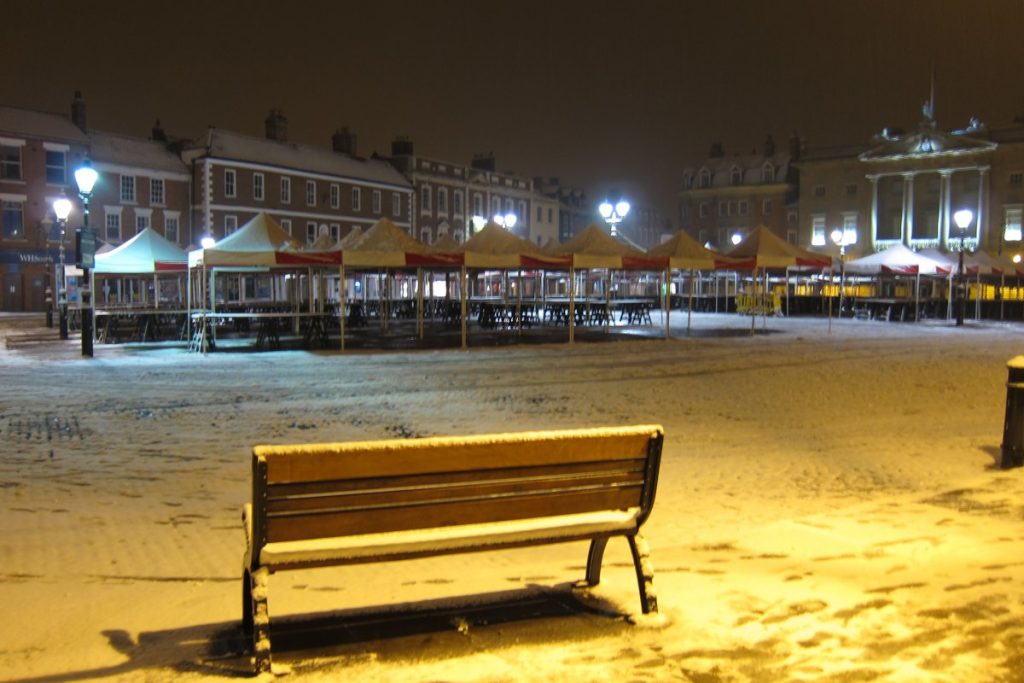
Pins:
x: 828, y: 510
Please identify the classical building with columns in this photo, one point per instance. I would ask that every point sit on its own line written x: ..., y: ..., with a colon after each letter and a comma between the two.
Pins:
x: 906, y: 187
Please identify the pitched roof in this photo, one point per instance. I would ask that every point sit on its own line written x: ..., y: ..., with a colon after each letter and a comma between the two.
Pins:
x: 926, y: 142
x: 39, y: 124
x: 224, y: 144
x: 138, y: 153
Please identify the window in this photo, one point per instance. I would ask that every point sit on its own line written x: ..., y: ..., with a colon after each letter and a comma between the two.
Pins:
x: 257, y: 187
x: 495, y: 206
x: 141, y: 222
x: 735, y: 176
x: 457, y: 202
x: 442, y: 200
x: 286, y: 190
x: 357, y: 199
x: 849, y: 229
x: 396, y: 204
x: 851, y: 190
x: 819, y: 190
x: 113, y: 227
x: 230, y: 224
x: 522, y: 210
x: 156, y: 191
x: 56, y: 167
x: 336, y: 197
x: 551, y: 215
x: 705, y: 178
x: 743, y: 207
x: 1016, y: 179
x: 171, y: 228
x: 425, y: 199
x: 310, y: 193
x: 335, y: 232
x: 128, y: 189
x: 791, y: 217
x: 286, y: 225
x: 723, y: 208
x: 310, y: 232
x: 704, y: 210
x: 375, y: 202
x: 766, y: 207
x: 478, y: 204
x: 1012, y: 229
x: 229, y: 182
x: 791, y: 237
x: 767, y: 174
x: 540, y: 212
x: 425, y: 235
x: 10, y: 162
x: 818, y: 230
x: 509, y: 206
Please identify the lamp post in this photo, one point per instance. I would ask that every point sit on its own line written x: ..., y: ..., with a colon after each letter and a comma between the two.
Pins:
x: 841, y: 237
x: 963, y: 219
x: 62, y: 209
x: 613, y: 214
x: 85, y: 178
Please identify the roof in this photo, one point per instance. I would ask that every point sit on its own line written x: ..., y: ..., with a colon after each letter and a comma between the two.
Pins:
x: 121, y: 150
x: 926, y: 141
x: 37, y: 124
x: 147, y: 252
x: 223, y: 144
x: 749, y: 165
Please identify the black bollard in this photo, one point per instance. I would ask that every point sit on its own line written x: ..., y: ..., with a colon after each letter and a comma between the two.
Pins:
x: 1012, y: 453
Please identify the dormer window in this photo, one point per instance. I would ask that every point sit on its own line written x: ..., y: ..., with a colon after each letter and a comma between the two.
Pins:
x: 735, y: 177
x: 705, y: 178
x: 767, y: 174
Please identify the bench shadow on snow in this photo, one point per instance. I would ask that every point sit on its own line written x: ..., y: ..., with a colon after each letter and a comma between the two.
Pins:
x: 426, y: 630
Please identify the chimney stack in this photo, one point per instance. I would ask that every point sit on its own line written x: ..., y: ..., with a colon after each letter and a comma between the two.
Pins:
x: 401, y: 147
x: 344, y: 141
x: 769, y: 146
x: 484, y: 162
x: 277, y: 126
x: 78, y: 112
x: 717, y: 151
x: 158, y: 133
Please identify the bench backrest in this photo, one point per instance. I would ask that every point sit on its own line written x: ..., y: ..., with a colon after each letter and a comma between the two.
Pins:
x: 338, y: 489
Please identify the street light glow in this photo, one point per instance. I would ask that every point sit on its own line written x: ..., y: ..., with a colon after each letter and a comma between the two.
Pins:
x: 207, y: 242
x: 963, y: 218
x: 605, y: 210
x: 736, y: 238
x: 62, y: 207
x: 85, y: 177
x: 622, y: 208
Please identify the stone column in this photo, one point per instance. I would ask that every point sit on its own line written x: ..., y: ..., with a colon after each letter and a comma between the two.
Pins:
x: 907, y: 229
x: 873, y: 237
x: 945, y: 202
x: 980, y: 225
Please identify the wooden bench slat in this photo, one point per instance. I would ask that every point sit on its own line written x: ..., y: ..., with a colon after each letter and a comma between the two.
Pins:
x: 448, y: 514
x: 454, y: 454
x: 387, y: 495
x: 328, y: 486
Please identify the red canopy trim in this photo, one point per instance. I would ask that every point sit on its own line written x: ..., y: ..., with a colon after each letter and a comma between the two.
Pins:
x: 437, y: 260
x: 169, y: 266
x: 291, y: 258
x: 645, y: 262
x: 736, y: 264
x: 545, y: 261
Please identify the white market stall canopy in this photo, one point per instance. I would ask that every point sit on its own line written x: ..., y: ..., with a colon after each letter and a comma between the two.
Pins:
x: 147, y: 253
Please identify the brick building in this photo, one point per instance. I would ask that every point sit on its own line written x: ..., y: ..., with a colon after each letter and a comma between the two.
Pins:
x: 309, y: 190
x: 725, y: 196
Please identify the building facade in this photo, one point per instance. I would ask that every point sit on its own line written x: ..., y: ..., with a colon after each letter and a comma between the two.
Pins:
x: 448, y: 195
x: 38, y: 154
x: 574, y: 211
x: 142, y: 184
x: 311, y: 191
x: 724, y: 197
x: 905, y: 188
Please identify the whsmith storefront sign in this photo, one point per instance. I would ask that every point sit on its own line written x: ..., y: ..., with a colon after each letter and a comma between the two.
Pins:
x: 29, y: 256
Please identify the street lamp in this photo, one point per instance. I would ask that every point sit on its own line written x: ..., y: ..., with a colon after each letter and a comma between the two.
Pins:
x: 62, y: 209
x: 85, y: 178
x: 613, y: 214
x: 963, y: 219
x: 736, y: 238
x: 478, y: 223
x: 507, y: 221
x: 841, y: 237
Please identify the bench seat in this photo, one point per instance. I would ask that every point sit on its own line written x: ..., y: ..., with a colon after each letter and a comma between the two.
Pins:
x: 451, y: 539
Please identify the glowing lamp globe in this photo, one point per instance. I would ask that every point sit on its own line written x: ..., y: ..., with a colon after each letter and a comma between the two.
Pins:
x: 62, y: 207
x: 622, y: 208
x: 85, y: 178
x: 963, y: 218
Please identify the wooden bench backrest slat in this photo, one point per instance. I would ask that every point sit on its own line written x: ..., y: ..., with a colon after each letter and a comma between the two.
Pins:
x: 334, y: 486
x: 387, y: 494
x: 294, y: 528
x: 356, y: 460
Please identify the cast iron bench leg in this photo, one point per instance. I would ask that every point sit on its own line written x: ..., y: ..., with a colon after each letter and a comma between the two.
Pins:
x: 644, y: 573
x: 594, y: 558
x: 256, y: 617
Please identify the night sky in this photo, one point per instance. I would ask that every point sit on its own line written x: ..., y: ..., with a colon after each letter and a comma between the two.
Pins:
x: 601, y: 94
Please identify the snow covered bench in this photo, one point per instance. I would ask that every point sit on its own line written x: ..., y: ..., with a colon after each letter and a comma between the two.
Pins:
x: 347, y: 503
